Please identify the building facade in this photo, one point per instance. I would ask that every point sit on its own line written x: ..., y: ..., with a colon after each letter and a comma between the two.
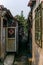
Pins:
x: 8, y: 32
x: 37, y: 32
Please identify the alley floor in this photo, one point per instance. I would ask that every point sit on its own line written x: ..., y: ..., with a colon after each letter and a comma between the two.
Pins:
x: 20, y: 59
x: 11, y: 60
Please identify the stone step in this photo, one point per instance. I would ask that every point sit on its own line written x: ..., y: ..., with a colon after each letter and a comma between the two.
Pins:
x: 9, y: 60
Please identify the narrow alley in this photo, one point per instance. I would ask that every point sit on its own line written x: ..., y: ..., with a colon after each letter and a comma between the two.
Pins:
x: 15, y: 48
x: 21, y: 39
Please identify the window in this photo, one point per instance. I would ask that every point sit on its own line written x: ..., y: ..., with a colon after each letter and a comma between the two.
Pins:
x: 11, y: 32
x: 38, y: 25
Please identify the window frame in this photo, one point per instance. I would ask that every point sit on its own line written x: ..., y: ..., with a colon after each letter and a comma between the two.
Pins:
x: 38, y: 27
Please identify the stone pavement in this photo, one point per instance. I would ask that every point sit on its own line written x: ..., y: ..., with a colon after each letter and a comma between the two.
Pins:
x: 21, y: 61
x: 9, y: 60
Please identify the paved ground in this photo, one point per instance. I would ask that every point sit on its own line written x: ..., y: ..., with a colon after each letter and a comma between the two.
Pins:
x: 21, y: 61
x: 18, y: 61
x: 9, y: 60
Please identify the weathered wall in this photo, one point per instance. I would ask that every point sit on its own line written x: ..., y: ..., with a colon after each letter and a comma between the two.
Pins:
x: 36, y: 51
